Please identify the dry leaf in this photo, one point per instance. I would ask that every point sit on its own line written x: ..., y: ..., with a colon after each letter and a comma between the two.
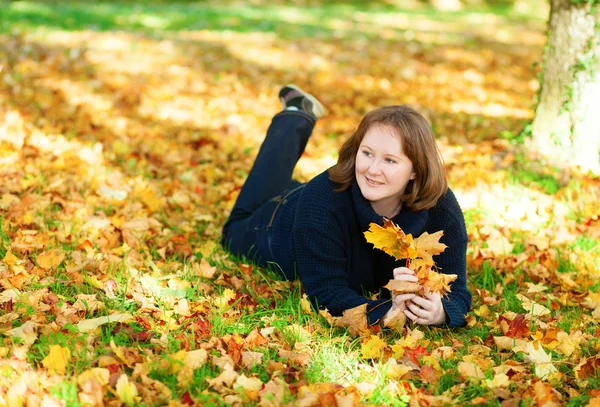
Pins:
x: 469, y: 370
x: 533, y: 308
x: 373, y: 347
x: 389, y: 238
x: 126, y: 391
x: 402, y: 287
x: 26, y: 332
x: 428, y: 245
x: 355, y: 319
x: 91, y: 324
x: 50, y: 259
x: 541, y: 360
x: 204, y: 269
x: 57, y: 359
x: 305, y: 305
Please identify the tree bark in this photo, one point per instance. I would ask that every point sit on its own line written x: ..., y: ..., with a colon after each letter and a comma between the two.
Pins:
x: 566, y: 127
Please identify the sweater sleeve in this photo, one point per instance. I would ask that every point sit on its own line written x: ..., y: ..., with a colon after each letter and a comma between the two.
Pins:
x: 453, y: 261
x: 322, y: 261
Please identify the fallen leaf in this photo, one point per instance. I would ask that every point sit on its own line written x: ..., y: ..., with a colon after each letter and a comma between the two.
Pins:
x: 50, y: 259
x: 533, y: 308
x: 204, y: 269
x: 251, y: 359
x: 355, y: 319
x: 373, y: 348
x: 541, y: 360
x: 227, y: 377
x: 305, y: 305
x: 57, y: 359
x: 27, y: 332
x: 91, y: 324
x: 98, y: 374
x: 126, y: 391
x: 469, y: 370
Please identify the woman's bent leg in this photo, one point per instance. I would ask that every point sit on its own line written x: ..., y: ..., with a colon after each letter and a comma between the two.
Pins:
x: 272, y: 171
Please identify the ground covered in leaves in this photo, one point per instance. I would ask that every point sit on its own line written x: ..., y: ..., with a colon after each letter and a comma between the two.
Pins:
x: 126, y: 132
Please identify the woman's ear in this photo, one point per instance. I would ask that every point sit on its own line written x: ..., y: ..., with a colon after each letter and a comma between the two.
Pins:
x: 413, y: 175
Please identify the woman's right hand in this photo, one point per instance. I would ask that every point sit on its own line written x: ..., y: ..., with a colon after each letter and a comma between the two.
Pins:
x: 403, y: 274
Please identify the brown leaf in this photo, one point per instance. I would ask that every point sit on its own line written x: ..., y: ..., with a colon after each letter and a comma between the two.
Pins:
x: 301, y: 359
x: 402, y: 287
x: 587, y: 367
x: 355, y: 319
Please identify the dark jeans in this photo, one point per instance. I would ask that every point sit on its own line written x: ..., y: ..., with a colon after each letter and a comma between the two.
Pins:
x: 247, y: 231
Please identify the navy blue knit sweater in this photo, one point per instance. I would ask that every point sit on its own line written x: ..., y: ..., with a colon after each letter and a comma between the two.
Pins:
x: 318, y: 234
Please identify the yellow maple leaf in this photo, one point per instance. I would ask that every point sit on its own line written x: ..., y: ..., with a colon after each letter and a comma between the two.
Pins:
x: 305, y: 305
x: 126, y: 391
x: 428, y: 245
x: 438, y: 282
x: 50, y: 258
x: 98, y: 374
x: 373, y: 347
x: 57, y: 359
x: 389, y: 238
x: 355, y: 319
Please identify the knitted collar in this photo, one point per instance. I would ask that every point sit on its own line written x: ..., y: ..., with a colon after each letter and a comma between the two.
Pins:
x: 409, y: 221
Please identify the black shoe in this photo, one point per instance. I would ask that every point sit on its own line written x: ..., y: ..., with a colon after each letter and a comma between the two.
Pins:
x: 291, y: 95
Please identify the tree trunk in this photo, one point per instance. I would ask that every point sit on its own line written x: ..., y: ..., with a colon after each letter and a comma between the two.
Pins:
x: 566, y: 127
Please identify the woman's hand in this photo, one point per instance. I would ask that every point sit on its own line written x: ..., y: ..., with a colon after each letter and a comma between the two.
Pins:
x: 426, y: 311
x: 399, y: 302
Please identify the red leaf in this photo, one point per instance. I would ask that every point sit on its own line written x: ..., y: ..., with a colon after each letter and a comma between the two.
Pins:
x: 415, y: 354
x: 186, y: 398
x: 517, y: 328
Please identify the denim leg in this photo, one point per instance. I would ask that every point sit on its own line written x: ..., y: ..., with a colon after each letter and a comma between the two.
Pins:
x: 244, y: 232
x: 272, y: 171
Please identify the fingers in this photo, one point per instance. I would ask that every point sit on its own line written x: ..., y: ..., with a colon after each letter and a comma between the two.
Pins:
x: 424, y: 311
x: 418, y: 311
x: 414, y: 317
x: 422, y: 302
x: 400, y: 301
x: 433, y: 296
x: 405, y: 274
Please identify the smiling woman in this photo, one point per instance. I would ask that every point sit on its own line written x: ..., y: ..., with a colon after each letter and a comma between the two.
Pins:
x: 390, y: 167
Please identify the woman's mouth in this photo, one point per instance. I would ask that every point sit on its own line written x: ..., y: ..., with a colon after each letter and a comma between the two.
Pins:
x: 372, y: 182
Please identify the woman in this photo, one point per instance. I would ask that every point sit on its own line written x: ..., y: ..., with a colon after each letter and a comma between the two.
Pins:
x: 390, y: 167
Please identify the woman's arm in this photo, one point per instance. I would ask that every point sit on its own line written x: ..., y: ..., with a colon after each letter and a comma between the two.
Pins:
x: 321, y: 263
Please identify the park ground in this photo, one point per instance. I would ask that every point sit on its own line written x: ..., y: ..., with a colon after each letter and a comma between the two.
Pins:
x: 126, y: 132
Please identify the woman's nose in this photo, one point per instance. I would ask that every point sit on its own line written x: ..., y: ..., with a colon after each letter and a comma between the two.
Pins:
x: 375, y: 168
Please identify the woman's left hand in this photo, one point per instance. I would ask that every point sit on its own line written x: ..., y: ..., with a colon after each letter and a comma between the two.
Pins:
x: 426, y: 311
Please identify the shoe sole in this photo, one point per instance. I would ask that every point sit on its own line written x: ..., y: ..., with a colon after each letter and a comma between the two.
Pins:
x: 318, y: 108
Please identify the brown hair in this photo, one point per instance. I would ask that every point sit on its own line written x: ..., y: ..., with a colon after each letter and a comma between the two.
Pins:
x: 418, y: 143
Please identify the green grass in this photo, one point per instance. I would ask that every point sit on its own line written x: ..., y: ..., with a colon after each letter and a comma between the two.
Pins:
x: 286, y: 21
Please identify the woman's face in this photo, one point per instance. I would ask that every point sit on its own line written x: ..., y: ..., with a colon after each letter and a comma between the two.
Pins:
x: 382, y: 169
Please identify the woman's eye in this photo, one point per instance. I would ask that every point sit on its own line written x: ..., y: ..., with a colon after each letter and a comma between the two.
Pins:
x: 366, y: 153
x: 389, y: 160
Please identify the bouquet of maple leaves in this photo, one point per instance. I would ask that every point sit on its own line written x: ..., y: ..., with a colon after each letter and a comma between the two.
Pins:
x: 418, y: 253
